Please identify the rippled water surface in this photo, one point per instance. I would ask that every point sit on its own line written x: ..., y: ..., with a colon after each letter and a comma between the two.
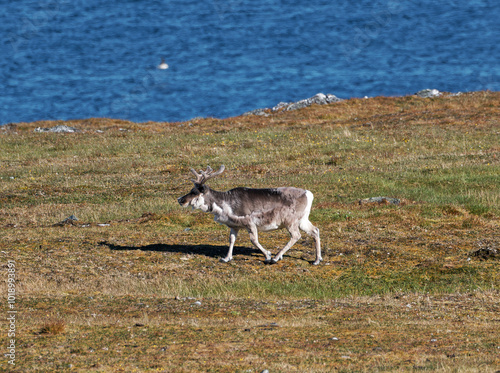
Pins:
x: 66, y: 59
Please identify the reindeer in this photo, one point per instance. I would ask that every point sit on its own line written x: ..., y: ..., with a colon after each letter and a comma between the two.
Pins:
x: 255, y: 210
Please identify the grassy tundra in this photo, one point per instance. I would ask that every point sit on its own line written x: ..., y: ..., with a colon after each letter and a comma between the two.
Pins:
x: 135, y: 284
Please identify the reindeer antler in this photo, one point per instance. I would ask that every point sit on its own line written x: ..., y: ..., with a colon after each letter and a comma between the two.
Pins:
x: 203, y: 176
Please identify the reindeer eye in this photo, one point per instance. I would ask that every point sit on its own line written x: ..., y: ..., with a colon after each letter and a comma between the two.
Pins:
x: 198, y: 188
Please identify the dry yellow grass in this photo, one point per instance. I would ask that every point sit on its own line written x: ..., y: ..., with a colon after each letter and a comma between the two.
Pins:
x: 135, y: 283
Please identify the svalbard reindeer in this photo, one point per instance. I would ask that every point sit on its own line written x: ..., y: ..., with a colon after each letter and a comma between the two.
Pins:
x: 255, y: 210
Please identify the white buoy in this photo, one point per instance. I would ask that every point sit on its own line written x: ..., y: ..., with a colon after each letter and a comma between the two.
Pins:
x: 163, y: 65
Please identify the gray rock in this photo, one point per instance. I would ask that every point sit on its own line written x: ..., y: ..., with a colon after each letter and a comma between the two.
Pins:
x: 9, y: 127
x: 261, y: 112
x: 380, y: 200
x: 428, y: 93
x: 57, y: 129
x: 70, y: 220
x: 318, y: 99
x: 485, y: 253
x: 281, y: 106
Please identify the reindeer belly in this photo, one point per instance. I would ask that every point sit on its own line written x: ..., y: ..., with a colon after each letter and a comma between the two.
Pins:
x: 264, y: 221
x: 268, y: 227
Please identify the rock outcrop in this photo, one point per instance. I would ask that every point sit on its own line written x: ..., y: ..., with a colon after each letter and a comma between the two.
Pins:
x: 428, y: 93
x: 57, y: 129
x: 318, y: 99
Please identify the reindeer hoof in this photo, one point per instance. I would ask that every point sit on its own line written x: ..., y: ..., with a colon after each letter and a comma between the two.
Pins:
x: 274, y: 261
x: 317, y: 261
x: 225, y: 260
x: 268, y: 261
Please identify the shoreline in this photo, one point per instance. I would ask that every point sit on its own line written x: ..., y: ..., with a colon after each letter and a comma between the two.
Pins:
x: 281, y: 107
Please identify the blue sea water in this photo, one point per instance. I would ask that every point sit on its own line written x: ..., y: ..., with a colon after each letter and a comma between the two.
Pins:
x: 63, y: 59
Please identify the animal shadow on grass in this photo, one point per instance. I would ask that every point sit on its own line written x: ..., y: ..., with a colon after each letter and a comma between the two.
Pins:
x: 212, y: 251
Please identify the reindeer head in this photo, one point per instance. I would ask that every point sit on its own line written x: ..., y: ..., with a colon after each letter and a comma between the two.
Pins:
x: 196, y: 197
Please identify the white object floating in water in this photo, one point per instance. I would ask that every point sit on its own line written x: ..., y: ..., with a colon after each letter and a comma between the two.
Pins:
x: 163, y: 65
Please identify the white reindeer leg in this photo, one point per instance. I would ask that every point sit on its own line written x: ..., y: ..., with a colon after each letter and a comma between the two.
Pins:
x: 232, y: 240
x: 295, y: 236
x: 313, y: 231
x: 318, y: 246
x: 254, y: 238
